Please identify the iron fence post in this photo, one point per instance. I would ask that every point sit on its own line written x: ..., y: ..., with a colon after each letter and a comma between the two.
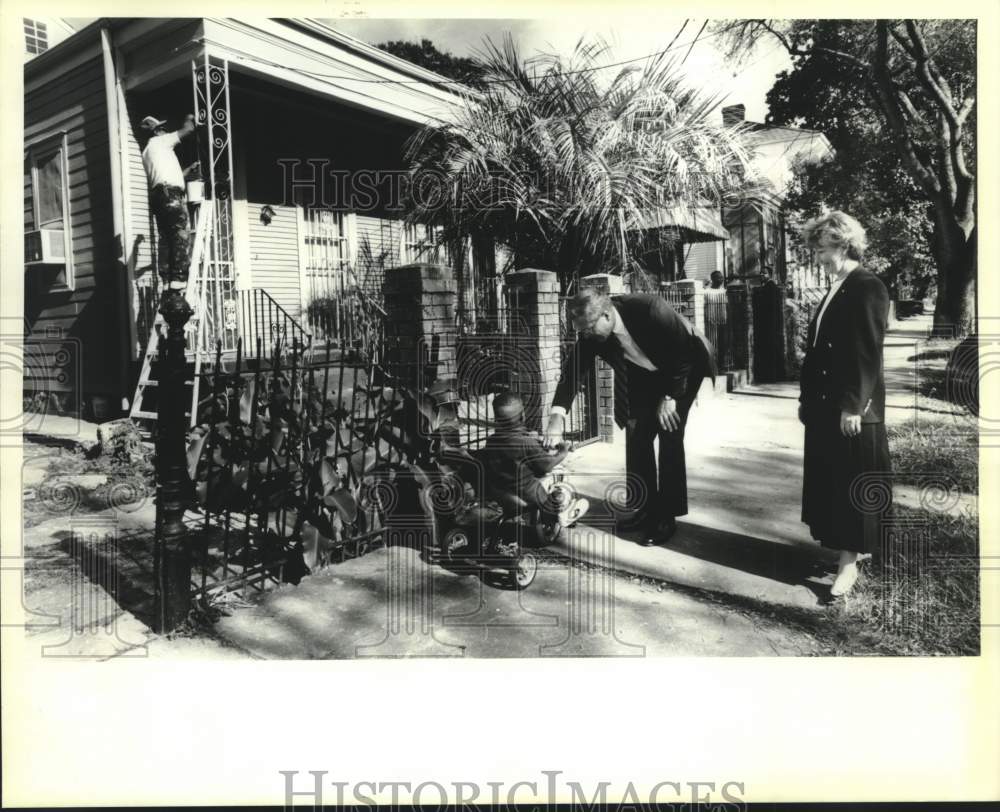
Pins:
x: 174, y: 487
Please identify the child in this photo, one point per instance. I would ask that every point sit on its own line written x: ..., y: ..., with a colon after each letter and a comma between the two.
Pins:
x: 517, y: 459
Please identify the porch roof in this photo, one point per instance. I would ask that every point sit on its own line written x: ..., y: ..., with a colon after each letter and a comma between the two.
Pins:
x: 305, y: 55
x: 696, y: 223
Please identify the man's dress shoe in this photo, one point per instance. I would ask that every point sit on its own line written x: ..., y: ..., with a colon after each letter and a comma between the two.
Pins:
x: 661, y: 533
x: 638, y: 521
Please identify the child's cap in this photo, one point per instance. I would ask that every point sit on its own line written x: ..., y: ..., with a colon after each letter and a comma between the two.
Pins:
x: 507, y: 408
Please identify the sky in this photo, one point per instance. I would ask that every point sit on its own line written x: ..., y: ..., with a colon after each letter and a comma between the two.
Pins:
x: 629, y: 37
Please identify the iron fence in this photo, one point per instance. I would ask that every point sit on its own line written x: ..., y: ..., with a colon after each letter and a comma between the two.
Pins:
x: 726, y: 326
x: 582, y: 420
x: 486, y: 359
x: 263, y: 320
x: 681, y: 298
x: 289, y: 460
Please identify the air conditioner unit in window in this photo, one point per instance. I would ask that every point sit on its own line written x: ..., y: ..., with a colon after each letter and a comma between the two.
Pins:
x: 44, y: 246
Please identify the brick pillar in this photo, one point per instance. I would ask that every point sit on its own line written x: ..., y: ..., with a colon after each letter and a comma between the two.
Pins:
x: 420, y: 323
x: 698, y: 303
x: 606, y: 402
x: 612, y: 285
x: 606, y: 282
x: 749, y: 328
x: 535, y: 336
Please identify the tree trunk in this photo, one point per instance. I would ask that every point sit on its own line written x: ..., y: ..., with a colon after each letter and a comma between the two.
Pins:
x: 954, y: 249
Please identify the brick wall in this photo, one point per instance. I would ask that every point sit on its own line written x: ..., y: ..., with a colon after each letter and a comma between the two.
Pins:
x: 420, y: 323
x: 534, y: 322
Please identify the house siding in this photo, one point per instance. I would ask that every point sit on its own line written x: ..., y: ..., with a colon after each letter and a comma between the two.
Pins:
x: 701, y: 258
x: 91, y: 313
x: 140, y: 218
x: 384, y: 239
x: 275, y: 261
x: 274, y: 255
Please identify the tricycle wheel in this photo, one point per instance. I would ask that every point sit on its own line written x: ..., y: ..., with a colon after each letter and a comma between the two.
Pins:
x: 525, y: 570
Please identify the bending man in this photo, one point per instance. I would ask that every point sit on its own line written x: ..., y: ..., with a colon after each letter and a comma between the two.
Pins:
x: 659, y: 361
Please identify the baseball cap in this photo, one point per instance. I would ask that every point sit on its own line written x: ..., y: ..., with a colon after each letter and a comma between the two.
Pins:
x: 151, y: 123
x: 507, y: 408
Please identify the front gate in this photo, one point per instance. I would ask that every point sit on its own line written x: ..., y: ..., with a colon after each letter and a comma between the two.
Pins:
x: 290, y: 462
x: 768, y: 302
x: 582, y: 421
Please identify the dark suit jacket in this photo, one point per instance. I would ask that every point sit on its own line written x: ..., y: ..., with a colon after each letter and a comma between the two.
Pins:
x: 843, y: 372
x: 680, y: 353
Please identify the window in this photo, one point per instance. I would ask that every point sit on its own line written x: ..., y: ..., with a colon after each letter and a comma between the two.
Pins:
x: 36, y: 36
x: 422, y: 243
x: 326, y: 253
x: 49, y: 172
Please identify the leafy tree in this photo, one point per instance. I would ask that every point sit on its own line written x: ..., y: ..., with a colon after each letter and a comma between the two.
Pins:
x: 896, y: 98
x: 461, y: 68
x: 562, y: 167
x: 865, y: 177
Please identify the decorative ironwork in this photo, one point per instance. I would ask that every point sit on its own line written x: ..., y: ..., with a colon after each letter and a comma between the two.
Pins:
x: 264, y: 320
x: 210, y: 80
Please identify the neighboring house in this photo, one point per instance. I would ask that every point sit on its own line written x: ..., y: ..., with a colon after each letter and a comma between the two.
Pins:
x: 758, y: 245
x: 671, y: 236
x: 298, y: 111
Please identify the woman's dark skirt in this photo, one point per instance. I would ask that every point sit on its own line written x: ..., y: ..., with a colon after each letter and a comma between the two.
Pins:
x: 846, y: 484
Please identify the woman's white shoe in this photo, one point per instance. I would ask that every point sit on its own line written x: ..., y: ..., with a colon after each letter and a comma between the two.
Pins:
x: 845, y: 580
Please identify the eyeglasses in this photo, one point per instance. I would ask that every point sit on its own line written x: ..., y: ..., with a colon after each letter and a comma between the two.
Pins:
x: 588, y: 327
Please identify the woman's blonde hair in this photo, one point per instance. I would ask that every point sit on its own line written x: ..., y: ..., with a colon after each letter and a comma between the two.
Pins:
x: 841, y: 229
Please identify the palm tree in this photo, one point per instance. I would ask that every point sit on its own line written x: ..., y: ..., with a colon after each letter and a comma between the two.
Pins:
x: 564, y: 170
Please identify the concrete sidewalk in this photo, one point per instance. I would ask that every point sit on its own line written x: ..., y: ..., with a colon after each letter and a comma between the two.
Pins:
x: 395, y: 603
x: 743, y: 534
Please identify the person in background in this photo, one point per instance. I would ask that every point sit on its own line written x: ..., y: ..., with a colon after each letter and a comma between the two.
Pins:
x: 167, y: 197
x: 717, y: 280
x: 842, y: 401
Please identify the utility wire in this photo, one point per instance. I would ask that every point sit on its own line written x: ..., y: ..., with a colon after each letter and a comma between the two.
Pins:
x: 445, y: 81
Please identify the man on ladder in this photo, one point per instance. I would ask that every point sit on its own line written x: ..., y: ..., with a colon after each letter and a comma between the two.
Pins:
x: 169, y: 205
x: 167, y: 198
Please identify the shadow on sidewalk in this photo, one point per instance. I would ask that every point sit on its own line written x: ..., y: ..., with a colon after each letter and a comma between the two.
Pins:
x: 768, y: 559
x: 792, y: 565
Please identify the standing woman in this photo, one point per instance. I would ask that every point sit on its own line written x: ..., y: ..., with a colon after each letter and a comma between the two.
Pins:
x: 842, y: 404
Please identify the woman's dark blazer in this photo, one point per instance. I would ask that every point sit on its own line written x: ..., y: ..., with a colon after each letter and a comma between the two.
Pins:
x: 843, y: 371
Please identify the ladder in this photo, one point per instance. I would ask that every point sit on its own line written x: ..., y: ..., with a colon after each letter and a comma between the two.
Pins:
x: 194, y: 329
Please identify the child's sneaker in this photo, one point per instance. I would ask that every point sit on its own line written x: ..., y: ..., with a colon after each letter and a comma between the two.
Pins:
x: 573, y: 512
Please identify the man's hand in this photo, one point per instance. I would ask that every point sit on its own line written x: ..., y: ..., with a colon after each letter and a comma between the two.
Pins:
x: 554, y: 431
x: 850, y: 424
x: 667, y: 414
